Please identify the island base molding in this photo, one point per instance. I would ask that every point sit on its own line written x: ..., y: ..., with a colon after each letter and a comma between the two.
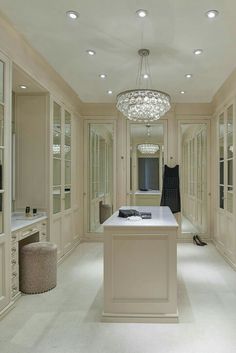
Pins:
x: 152, y: 319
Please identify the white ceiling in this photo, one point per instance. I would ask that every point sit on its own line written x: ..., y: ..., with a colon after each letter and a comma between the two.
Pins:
x: 19, y: 77
x: 139, y: 132
x: 171, y: 31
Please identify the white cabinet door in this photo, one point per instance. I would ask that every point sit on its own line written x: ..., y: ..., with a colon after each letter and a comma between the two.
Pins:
x: 225, y: 221
x: 5, y: 200
x: 61, y: 181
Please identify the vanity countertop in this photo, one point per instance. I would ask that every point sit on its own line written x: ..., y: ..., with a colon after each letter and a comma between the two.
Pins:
x: 19, y: 221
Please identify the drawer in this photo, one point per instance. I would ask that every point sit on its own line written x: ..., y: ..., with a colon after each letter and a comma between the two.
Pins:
x: 28, y: 231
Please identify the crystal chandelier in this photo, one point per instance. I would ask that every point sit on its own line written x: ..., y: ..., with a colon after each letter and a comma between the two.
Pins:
x: 148, y: 148
x: 143, y: 104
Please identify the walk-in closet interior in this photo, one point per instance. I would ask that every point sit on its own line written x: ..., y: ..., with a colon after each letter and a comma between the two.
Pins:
x: 117, y: 174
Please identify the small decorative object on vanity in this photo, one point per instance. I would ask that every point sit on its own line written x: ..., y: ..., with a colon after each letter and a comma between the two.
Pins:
x: 27, y: 211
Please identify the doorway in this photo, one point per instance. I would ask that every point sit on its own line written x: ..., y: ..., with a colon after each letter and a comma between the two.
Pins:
x: 194, y: 175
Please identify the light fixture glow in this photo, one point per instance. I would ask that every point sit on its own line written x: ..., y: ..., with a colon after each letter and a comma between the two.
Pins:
x: 182, y: 92
x: 198, y: 51
x: 109, y: 92
x: 143, y: 104
x: 103, y: 76
x: 73, y: 15
x: 145, y: 76
x: 188, y: 75
x: 148, y: 148
x: 211, y: 14
x: 91, y: 52
x: 141, y: 13
x: 23, y: 86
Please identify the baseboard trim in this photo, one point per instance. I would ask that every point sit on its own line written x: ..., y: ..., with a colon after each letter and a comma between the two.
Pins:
x: 224, y: 255
x: 139, y: 318
x: 62, y: 259
x: 7, y: 309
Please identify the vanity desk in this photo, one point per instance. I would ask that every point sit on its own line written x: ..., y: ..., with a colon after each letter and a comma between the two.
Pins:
x: 24, y: 230
x: 140, y: 267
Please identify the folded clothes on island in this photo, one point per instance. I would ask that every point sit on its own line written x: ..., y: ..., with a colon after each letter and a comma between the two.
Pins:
x: 131, y: 212
x: 128, y: 213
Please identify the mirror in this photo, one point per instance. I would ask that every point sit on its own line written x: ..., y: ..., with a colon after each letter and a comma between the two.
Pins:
x: 194, y: 178
x: 146, y: 163
x: 100, y: 175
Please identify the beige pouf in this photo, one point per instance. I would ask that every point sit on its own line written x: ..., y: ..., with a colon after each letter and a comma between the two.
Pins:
x: 38, y: 267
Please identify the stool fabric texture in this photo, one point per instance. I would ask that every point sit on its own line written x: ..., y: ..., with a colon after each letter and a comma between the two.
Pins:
x: 38, y: 267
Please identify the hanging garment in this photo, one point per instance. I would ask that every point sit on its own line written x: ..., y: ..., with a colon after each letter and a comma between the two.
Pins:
x: 170, y: 190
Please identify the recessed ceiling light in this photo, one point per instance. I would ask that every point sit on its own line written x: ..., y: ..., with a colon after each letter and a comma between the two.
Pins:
x: 141, y: 13
x: 103, y: 76
x: 182, y: 92
x: 198, y: 51
x: 145, y: 76
x: 23, y: 86
x: 109, y: 92
x: 188, y: 75
x: 212, y: 14
x: 73, y: 15
x: 91, y: 52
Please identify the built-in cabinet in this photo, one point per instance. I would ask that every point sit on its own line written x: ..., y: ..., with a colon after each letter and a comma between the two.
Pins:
x: 63, y: 160
x: 5, y: 160
x: 34, y: 232
x: 225, y: 234
x: 194, y: 176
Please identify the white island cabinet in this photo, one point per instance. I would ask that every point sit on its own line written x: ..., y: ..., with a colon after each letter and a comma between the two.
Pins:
x: 140, y: 267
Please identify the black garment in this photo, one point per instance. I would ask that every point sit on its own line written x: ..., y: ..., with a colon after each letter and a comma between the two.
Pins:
x: 170, y: 190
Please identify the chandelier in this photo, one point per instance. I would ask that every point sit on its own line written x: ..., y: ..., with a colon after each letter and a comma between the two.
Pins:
x: 148, y: 148
x: 143, y: 104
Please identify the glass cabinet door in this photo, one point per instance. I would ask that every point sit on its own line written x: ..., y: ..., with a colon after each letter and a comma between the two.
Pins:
x: 67, y: 160
x: 221, y: 161
x: 226, y: 154
x: 61, y: 159
x: 57, y: 157
x: 230, y: 153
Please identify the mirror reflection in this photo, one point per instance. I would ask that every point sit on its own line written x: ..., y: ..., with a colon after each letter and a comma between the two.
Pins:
x: 146, y: 163
x: 100, y: 186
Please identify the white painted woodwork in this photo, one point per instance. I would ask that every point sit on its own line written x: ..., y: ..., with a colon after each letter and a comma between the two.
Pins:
x: 5, y: 157
x: 63, y: 225
x: 225, y: 182
x: 140, y: 267
x: 31, y: 126
x: 22, y: 231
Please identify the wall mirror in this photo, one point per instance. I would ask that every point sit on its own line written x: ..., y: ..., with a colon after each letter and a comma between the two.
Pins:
x: 147, y: 159
x: 100, y: 174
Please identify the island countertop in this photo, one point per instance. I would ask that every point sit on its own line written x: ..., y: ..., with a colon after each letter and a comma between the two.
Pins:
x: 161, y: 217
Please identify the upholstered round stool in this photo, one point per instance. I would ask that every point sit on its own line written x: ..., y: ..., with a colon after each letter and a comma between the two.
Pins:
x: 38, y: 267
